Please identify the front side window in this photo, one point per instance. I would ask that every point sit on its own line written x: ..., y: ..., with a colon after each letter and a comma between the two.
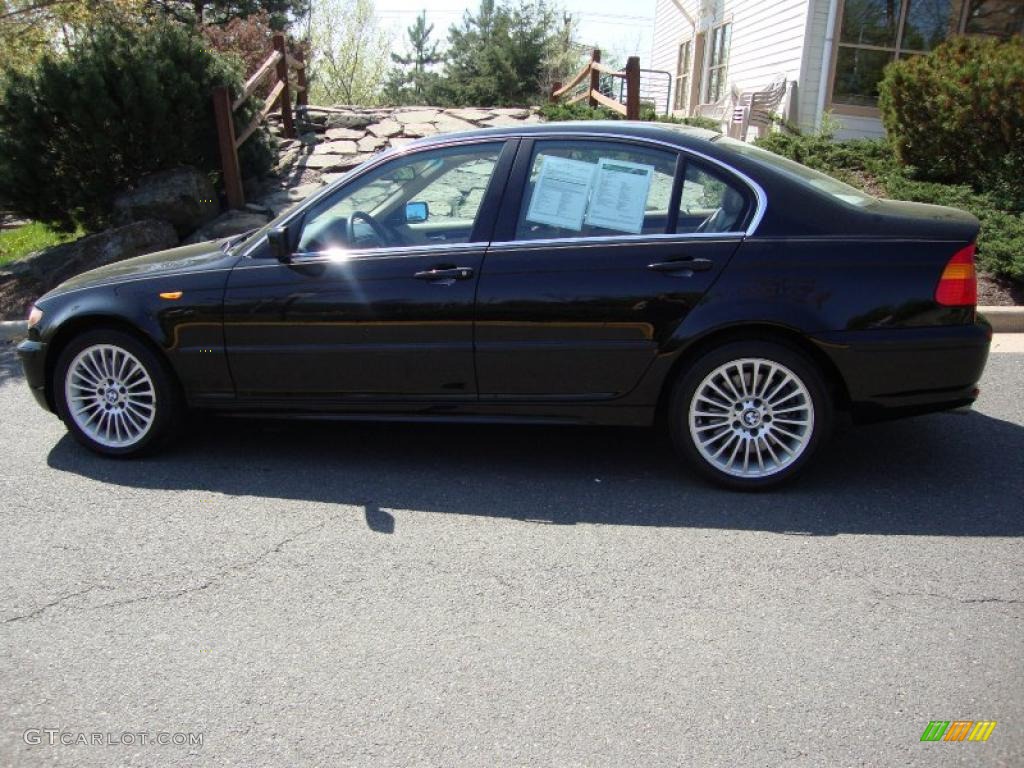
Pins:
x: 877, y: 32
x: 595, y: 189
x: 711, y: 202
x: 431, y: 197
x: 718, y: 63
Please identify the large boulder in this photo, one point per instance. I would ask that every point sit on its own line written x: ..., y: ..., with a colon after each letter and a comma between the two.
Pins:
x: 184, y: 197
x: 228, y: 224
x: 57, y: 264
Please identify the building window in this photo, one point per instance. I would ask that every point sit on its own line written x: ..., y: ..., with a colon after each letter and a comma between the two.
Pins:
x: 683, y: 76
x: 997, y: 18
x: 715, y: 87
x: 877, y: 32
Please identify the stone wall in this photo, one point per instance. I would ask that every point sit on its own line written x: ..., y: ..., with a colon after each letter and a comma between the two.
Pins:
x: 333, y: 140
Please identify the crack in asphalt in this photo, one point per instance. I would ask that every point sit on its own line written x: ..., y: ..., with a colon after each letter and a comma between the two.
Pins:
x: 227, y: 572
x: 965, y: 600
x: 53, y: 604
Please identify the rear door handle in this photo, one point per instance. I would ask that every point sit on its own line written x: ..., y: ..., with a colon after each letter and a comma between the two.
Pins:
x: 682, y: 265
x: 446, y: 275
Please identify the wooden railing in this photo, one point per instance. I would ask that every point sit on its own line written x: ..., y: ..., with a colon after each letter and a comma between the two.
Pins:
x: 594, y: 69
x: 224, y: 108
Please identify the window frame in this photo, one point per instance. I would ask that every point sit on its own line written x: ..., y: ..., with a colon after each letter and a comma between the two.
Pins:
x: 681, y: 96
x: 958, y: 14
x: 709, y: 65
x: 515, y: 194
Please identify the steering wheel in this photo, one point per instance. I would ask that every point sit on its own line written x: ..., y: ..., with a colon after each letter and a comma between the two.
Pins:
x: 378, y: 230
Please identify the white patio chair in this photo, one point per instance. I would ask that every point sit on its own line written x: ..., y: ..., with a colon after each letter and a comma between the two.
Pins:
x: 757, y: 108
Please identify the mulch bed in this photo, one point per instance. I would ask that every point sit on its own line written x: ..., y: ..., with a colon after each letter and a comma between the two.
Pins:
x: 999, y: 292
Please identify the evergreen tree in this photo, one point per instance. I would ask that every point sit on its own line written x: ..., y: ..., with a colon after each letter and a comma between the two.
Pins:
x: 412, y: 81
x: 496, y: 57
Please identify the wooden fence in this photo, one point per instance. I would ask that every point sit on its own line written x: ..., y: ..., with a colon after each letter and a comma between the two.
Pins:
x: 593, y: 94
x: 224, y: 108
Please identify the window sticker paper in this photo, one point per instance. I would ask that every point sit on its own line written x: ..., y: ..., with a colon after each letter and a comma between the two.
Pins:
x: 620, y: 194
x: 561, y: 193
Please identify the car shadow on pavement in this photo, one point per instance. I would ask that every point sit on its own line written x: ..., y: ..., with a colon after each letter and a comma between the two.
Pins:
x: 953, y: 474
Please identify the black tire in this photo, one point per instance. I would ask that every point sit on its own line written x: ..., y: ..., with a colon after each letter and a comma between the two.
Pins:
x: 166, y: 399
x: 728, y: 424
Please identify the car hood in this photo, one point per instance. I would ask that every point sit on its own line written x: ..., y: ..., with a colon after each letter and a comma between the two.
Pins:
x: 186, y: 259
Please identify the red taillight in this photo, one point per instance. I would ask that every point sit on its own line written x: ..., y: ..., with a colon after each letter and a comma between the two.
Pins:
x: 958, y: 286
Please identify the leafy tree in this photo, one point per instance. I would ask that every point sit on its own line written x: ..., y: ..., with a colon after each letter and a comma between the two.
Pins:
x: 413, y: 81
x: 497, y: 55
x: 31, y: 28
x: 347, y: 65
x: 281, y: 12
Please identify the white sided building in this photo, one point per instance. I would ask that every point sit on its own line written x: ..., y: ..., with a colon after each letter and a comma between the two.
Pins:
x: 831, y: 52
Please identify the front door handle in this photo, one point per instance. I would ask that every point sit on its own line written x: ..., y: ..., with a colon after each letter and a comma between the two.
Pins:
x: 688, y: 264
x: 444, y: 275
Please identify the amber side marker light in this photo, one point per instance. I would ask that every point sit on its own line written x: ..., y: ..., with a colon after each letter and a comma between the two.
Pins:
x: 958, y: 286
x: 171, y: 295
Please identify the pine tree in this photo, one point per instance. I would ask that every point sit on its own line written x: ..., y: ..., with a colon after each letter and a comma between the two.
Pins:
x: 413, y: 85
x: 496, y: 57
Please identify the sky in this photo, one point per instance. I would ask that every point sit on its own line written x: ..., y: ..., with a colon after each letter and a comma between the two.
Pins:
x: 618, y: 28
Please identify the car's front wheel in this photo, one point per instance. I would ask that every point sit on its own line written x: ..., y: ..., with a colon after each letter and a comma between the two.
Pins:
x: 750, y: 415
x: 114, y: 393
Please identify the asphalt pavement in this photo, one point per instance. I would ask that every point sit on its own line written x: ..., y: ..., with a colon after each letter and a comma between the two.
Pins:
x: 339, y: 594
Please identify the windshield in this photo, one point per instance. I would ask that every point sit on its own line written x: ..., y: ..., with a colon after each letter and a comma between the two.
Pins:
x: 820, y: 181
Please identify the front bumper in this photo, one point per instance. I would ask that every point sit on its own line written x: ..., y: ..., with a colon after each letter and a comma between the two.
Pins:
x: 33, y: 360
x: 910, y: 370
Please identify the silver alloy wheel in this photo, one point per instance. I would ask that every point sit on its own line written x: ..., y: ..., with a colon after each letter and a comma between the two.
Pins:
x: 751, y: 417
x: 110, y: 395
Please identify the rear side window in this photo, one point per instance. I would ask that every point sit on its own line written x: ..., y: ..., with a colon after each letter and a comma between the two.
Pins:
x: 816, y: 180
x: 589, y: 189
x: 711, y: 201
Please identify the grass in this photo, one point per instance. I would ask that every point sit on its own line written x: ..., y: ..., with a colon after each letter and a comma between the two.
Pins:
x: 19, y: 242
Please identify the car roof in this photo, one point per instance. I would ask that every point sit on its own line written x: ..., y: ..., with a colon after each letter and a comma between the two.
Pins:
x: 679, y: 135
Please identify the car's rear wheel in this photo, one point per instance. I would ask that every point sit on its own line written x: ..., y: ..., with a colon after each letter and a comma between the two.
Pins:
x: 750, y: 415
x: 114, y: 393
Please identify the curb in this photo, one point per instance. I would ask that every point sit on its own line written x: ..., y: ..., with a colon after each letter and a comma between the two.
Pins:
x: 11, y: 330
x: 1003, y: 320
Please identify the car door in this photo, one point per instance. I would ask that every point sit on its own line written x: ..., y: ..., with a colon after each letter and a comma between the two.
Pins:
x: 592, y: 270
x: 377, y: 301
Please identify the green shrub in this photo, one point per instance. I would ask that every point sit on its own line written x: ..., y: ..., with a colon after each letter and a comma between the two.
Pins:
x: 124, y: 102
x: 957, y: 113
x: 560, y: 111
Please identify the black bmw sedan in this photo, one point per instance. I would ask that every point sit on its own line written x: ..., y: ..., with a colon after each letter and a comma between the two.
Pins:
x: 596, y: 273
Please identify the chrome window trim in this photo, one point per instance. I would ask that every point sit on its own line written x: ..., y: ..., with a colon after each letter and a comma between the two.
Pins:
x: 365, y: 254
x: 758, y: 191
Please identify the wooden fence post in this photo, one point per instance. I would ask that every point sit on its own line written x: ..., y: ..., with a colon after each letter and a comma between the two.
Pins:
x: 302, y: 97
x: 282, y: 77
x: 633, y: 88
x: 595, y: 77
x: 228, y: 154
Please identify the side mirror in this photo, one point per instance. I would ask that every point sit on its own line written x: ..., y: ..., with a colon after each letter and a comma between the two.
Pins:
x: 280, y: 247
x: 416, y: 212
